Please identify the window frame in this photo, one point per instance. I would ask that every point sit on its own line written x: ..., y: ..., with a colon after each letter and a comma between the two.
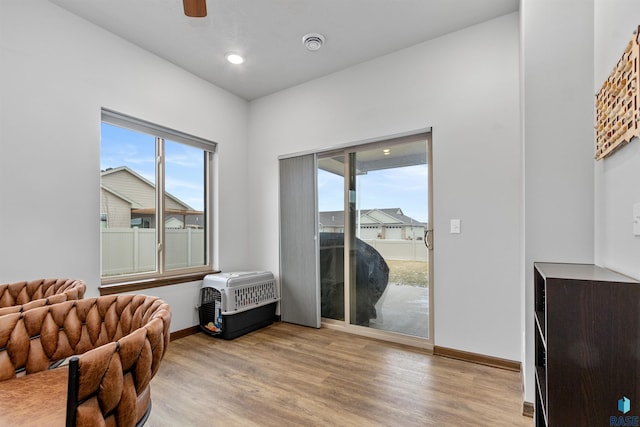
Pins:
x: 161, y: 276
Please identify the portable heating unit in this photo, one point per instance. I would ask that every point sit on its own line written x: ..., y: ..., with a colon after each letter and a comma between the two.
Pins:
x: 233, y: 304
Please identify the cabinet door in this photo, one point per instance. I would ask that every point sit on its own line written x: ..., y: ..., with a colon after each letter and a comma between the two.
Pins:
x: 592, y: 337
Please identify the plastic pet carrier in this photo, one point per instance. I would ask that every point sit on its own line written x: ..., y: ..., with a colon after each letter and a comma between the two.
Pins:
x: 233, y: 304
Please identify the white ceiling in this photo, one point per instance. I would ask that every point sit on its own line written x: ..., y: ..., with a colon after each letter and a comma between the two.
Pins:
x: 269, y: 33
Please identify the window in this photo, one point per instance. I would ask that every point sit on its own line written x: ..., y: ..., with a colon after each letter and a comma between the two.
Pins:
x: 155, y: 200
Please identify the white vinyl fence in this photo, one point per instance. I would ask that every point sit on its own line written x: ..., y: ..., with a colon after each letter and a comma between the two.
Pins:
x: 133, y: 250
x: 406, y: 250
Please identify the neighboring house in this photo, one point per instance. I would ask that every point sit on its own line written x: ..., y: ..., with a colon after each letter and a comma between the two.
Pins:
x: 332, y: 221
x: 376, y: 224
x: 127, y: 200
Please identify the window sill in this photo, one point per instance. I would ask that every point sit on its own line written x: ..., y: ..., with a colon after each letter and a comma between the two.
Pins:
x: 138, y: 285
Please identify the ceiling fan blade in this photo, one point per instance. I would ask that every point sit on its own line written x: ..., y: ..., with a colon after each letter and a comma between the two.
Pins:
x: 195, y: 8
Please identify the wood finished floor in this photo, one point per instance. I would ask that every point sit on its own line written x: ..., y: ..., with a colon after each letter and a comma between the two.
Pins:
x: 288, y: 375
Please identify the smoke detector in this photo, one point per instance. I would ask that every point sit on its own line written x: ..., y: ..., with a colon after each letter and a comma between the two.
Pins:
x: 313, y: 41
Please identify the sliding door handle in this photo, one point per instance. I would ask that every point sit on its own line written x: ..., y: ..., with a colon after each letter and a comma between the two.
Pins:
x: 428, y: 239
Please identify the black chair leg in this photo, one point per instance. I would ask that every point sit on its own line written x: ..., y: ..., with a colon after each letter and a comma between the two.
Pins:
x: 72, y: 393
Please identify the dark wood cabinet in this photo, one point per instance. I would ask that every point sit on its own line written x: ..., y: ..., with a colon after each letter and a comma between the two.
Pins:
x: 587, y: 345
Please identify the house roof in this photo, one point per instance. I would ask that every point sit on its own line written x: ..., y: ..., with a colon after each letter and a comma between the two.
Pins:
x: 387, y: 216
x: 395, y: 214
x: 135, y: 204
x: 116, y: 194
x: 331, y: 218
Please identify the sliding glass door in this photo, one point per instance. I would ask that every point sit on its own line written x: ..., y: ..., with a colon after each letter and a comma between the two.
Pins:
x: 331, y: 223
x: 384, y: 187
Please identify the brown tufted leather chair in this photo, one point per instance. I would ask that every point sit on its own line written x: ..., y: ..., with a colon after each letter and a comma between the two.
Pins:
x: 115, y: 343
x: 20, y: 296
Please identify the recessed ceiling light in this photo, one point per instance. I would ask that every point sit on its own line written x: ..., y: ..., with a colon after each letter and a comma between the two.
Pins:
x: 386, y: 151
x: 234, y: 58
x: 313, y: 41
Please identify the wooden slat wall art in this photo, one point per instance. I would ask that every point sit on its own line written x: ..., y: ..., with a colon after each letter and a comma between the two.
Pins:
x: 617, y: 114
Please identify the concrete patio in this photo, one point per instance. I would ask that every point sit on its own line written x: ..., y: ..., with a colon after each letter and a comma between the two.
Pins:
x: 403, y: 309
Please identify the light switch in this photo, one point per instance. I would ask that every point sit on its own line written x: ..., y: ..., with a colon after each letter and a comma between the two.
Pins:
x: 455, y: 226
x: 636, y: 219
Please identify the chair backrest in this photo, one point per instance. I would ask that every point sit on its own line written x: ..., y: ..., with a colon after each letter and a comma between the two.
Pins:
x: 32, y: 340
x: 21, y: 296
x: 110, y: 385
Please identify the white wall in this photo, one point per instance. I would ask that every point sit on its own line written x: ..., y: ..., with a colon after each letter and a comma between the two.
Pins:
x: 559, y: 147
x: 617, y: 176
x: 183, y: 299
x: 464, y: 85
x: 57, y: 72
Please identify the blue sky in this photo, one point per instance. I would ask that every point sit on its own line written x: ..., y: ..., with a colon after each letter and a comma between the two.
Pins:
x: 404, y: 188
x: 184, y: 165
